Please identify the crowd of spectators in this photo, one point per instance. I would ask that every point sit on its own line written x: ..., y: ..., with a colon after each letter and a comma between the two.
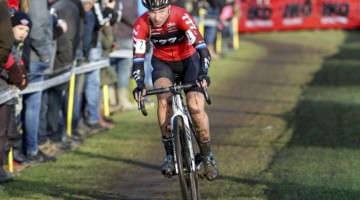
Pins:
x: 42, y: 39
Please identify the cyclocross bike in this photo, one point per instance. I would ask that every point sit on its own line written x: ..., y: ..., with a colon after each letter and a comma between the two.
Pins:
x: 187, y: 167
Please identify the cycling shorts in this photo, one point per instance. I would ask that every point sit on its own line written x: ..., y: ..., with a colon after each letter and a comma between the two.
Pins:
x: 186, y: 69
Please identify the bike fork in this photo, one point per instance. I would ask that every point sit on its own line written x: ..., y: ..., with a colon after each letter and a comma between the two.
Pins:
x: 188, y: 142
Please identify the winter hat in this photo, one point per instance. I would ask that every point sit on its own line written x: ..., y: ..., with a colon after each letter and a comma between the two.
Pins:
x: 21, y: 18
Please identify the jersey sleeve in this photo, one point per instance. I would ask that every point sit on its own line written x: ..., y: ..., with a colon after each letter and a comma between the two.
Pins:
x: 140, y: 31
x: 187, y: 24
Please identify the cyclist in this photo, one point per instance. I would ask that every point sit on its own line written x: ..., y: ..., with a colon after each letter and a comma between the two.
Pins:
x: 178, y: 48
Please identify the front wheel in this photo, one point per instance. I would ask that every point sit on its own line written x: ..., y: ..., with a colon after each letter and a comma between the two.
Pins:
x: 188, y: 178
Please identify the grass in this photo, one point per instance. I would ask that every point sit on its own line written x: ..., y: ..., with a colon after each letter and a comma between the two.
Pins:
x: 298, y: 139
x: 308, y: 148
x: 325, y: 142
x: 86, y: 173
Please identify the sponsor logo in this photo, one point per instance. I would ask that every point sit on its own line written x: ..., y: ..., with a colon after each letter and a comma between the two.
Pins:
x: 188, y: 21
x: 335, y: 13
x: 259, y: 13
x: 172, y: 27
x: 294, y: 13
x: 207, y: 63
x: 259, y: 17
x: 167, y: 41
x: 191, y: 37
x: 171, y: 24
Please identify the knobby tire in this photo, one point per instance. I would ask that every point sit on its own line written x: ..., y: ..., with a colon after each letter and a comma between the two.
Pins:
x: 188, y: 179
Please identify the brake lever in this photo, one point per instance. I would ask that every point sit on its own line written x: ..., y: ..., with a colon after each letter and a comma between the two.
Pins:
x: 141, y: 104
x: 206, y: 94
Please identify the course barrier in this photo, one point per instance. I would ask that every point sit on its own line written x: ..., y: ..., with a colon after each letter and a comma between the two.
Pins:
x: 67, y: 76
x: 54, y: 81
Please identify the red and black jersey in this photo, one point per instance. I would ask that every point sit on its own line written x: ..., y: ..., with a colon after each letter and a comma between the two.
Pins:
x: 177, y: 39
x: 174, y: 41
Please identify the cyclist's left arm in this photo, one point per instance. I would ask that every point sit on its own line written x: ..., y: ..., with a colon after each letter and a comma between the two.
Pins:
x: 195, y: 38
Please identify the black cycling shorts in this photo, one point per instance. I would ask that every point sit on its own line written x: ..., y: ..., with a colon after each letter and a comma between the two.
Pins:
x: 187, y: 70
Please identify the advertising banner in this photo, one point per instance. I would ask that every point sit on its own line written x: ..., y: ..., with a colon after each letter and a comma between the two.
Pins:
x: 298, y: 14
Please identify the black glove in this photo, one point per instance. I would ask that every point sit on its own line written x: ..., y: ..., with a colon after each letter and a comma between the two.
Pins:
x: 140, y: 88
x: 204, y: 77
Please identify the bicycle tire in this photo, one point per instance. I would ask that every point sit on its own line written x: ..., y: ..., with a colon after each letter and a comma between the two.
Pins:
x: 188, y: 178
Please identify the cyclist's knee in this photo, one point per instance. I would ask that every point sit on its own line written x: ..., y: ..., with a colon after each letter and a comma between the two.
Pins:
x: 198, y: 117
x: 197, y: 113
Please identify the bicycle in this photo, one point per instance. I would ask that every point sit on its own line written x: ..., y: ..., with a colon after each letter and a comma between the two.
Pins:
x: 187, y: 165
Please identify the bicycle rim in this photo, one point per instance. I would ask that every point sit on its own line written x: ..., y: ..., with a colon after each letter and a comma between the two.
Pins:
x: 188, y: 178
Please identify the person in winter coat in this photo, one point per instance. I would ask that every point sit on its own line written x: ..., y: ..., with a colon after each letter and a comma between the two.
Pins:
x: 13, y: 74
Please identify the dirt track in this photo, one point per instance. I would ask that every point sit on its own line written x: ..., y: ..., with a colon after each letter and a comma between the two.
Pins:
x: 257, y: 95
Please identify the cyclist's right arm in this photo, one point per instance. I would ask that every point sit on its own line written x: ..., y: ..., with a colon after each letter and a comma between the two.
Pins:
x: 140, y: 32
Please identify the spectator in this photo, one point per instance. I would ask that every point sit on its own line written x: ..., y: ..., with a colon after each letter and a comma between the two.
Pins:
x: 7, y: 109
x: 47, y: 146
x: 213, y: 8
x: 40, y: 55
x: 123, y: 37
x: 18, y: 155
x: 89, y: 95
x: 105, y: 15
x: 228, y: 12
x: 108, y: 75
x: 12, y: 74
x: 212, y: 13
x: 89, y: 84
x: 73, y: 13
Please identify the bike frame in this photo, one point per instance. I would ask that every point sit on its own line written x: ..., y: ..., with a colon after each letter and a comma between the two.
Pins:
x: 179, y: 109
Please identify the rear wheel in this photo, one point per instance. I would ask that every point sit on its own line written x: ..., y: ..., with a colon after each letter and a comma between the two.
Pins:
x: 187, y: 177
